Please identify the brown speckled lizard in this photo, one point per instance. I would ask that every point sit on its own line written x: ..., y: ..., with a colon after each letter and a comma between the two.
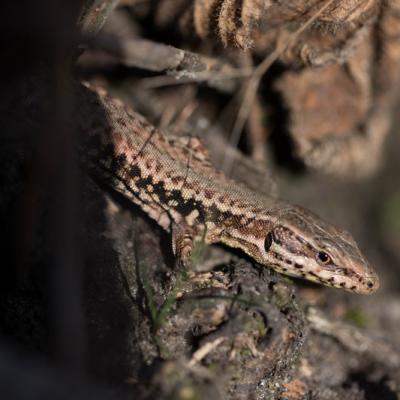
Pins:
x: 175, y: 184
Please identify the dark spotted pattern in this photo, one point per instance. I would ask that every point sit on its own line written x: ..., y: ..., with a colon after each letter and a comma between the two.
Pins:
x: 174, y: 183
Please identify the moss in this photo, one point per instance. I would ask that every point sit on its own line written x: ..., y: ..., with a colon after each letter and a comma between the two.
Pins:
x: 261, y: 328
x: 199, y: 251
x: 188, y: 393
x: 390, y: 213
x: 159, y: 313
x: 357, y: 317
x: 150, y: 299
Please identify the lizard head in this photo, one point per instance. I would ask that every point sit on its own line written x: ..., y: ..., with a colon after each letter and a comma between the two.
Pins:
x: 296, y: 242
x: 318, y: 251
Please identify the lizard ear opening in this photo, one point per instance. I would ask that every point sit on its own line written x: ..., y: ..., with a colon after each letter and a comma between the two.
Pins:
x: 268, y: 242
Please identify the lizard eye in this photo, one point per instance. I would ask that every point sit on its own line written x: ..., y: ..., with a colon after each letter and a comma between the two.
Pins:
x: 268, y: 242
x: 323, y: 257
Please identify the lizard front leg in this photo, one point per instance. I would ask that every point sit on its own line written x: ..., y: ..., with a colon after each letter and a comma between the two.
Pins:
x: 189, y: 244
x: 182, y: 243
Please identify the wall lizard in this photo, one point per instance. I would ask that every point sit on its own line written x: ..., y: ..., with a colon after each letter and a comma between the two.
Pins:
x: 176, y: 185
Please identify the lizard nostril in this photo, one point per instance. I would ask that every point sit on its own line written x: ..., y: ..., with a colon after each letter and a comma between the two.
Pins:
x: 370, y: 284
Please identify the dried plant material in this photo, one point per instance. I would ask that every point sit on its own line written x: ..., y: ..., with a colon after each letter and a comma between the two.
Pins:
x: 203, y: 10
x: 253, y: 82
x: 340, y: 114
x: 322, y: 103
x: 227, y: 21
x: 331, y: 38
x: 94, y: 14
x: 335, y: 119
x: 233, y: 22
x: 167, y: 11
x: 327, y: 41
x: 295, y: 390
x: 259, y: 24
x: 326, y: 106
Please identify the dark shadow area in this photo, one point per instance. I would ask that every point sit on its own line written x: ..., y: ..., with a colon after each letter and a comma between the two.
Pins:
x: 62, y: 297
x: 373, y: 390
x: 281, y: 143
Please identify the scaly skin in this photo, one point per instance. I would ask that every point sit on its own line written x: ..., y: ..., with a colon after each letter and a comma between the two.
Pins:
x: 175, y: 184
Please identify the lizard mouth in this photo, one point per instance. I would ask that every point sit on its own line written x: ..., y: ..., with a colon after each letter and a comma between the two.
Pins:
x: 368, y: 280
x: 366, y: 284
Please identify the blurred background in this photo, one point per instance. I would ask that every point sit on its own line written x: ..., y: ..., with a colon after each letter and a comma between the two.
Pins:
x: 320, y: 130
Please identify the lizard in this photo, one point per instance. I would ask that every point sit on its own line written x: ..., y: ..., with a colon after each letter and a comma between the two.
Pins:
x: 176, y: 185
